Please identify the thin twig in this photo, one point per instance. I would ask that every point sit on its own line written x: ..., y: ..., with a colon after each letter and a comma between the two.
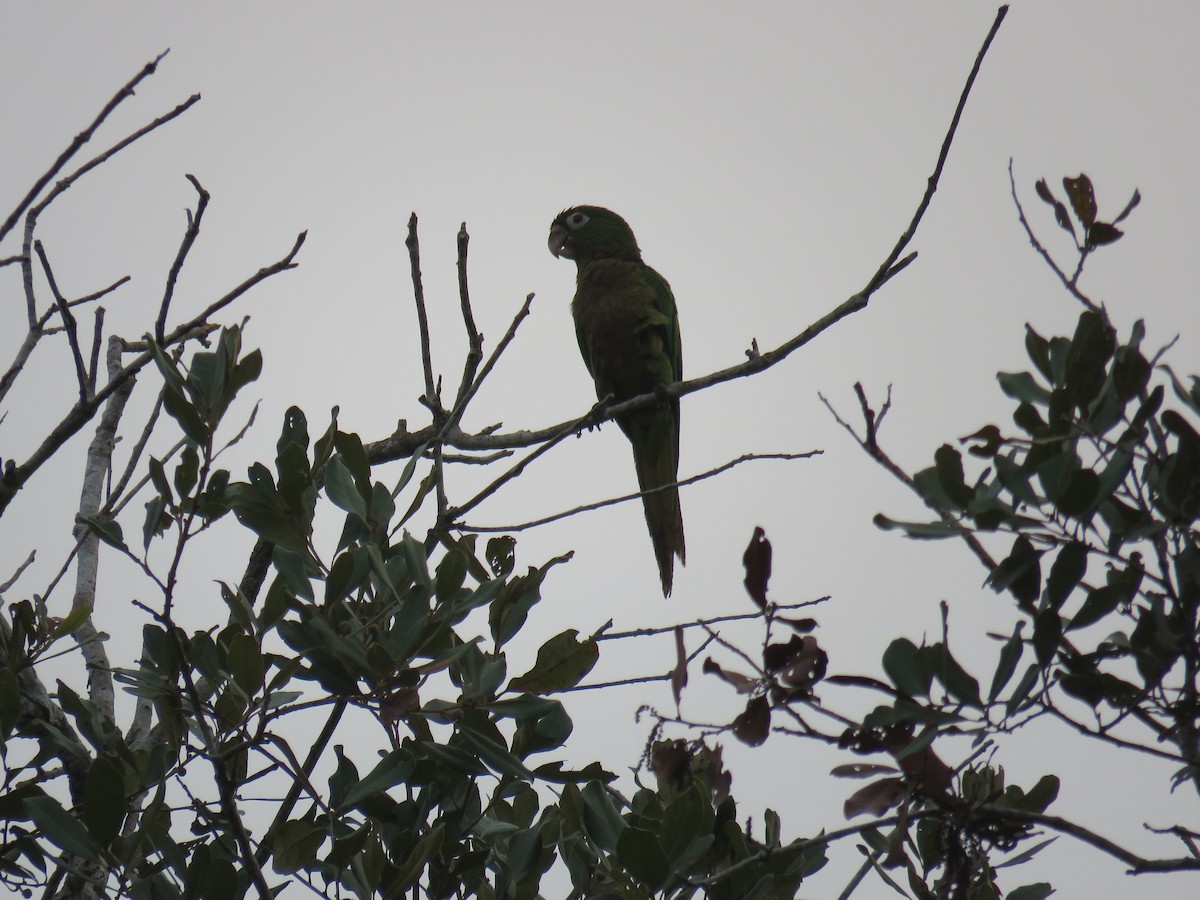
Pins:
x: 460, y: 405
x: 600, y: 504
x: 13, y: 479
x: 1068, y: 282
x: 89, y: 298
x: 80, y: 139
x: 414, y: 259
x: 474, y: 339
x: 876, y: 453
x: 883, y: 273
x: 17, y: 574
x: 97, y: 340
x: 189, y: 238
x: 68, y: 322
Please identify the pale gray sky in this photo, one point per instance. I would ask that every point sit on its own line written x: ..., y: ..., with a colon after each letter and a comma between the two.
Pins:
x: 767, y: 157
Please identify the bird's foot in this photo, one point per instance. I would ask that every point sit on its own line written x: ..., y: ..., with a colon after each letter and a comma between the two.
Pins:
x: 598, y: 413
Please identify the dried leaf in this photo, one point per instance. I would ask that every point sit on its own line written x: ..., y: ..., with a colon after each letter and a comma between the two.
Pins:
x: 875, y: 798
x: 860, y: 770
x: 1129, y: 207
x: 743, y: 683
x: 1082, y: 197
x: 757, y: 560
x: 752, y: 726
x: 1102, y: 233
x: 679, y: 675
x: 990, y: 440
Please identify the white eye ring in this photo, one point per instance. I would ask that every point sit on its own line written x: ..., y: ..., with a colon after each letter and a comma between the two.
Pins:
x: 577, y: 220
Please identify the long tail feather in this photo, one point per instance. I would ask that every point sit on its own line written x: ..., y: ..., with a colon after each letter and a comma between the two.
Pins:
x: 657, y: 464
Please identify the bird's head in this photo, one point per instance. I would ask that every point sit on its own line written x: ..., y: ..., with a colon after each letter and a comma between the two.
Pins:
x: 585, y: 233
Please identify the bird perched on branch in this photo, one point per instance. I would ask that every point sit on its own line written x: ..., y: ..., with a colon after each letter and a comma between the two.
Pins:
x: 628, y: 331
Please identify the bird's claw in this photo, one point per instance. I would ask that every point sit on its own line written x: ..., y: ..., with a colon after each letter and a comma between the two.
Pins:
x: 598, y: 413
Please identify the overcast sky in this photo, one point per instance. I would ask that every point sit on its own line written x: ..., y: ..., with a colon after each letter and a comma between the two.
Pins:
x: 767, y: 157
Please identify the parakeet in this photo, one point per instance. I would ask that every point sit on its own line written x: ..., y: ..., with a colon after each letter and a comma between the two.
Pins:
x: 628, y: 331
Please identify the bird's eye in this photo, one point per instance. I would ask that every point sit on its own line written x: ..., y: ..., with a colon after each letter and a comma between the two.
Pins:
x: 577, y: 220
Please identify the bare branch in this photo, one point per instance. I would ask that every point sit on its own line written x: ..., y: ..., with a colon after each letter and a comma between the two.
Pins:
x: 89, y: 298
x: 701, y: 623
x: 80, y: 139
x: 600, y: 504
x: 460, y: 405
x: 99, y: 463
x: 97, y: 339
x: 414, y: 258
x: 17, y: 574
x: 15, y: 477
x: 1070, y: 283
x: 189, y: 238
x: 885, y: 269
x: 474, y: 339
x: 68, y: 322
x: 871, y: 447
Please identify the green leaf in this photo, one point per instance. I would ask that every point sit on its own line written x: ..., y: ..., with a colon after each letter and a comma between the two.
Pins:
x: 920, y: 530
x: 10, y: 703
x: 1047, y: 634
x: 108, y: 530
x: 186, y: 471
x: 418, y: 562
x: 600, y: 816
x: 341, y: 489
x: 1010, y: 655
x: 1039, y: 891
x: 495, y: 755
x: 1019, y: 573
x: 1021, y: 691
x: 1099, y: 603
x: 451, y: 572
x: 961, y: 685
x: 1022, y: 386
x: 72, y: 620
x: 411, y: 870
x: 562, y: 662
x: 295, y: 845
x: 60, y: 827
x: 640, y: 853
x: 104, y: 800
x: 907, y: 667
x: 1091, y: 349
x: 245, y: 663
x: 1069, y: 567
x: 187, y: 415
x: 1038, y: 349
x: 389, y: 771
x: 950, y: 475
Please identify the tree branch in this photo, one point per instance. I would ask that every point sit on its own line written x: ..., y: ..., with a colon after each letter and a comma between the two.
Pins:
x: 414, y: 259
x: 600, y: 504
x: 69, y: 324
x: 80, y: 139
x: 399, y: 446
x: 189, y: 238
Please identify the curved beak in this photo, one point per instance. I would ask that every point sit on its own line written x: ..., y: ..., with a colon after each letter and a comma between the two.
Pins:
x: 558, y: 242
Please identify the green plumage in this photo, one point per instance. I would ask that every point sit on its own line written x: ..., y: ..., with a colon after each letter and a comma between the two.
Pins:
x: 628, y: 331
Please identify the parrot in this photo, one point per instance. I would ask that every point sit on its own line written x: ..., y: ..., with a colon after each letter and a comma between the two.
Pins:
x: 627, y: 326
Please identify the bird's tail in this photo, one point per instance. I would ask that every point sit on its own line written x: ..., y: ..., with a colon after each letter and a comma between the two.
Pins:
x: 657, y: 465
